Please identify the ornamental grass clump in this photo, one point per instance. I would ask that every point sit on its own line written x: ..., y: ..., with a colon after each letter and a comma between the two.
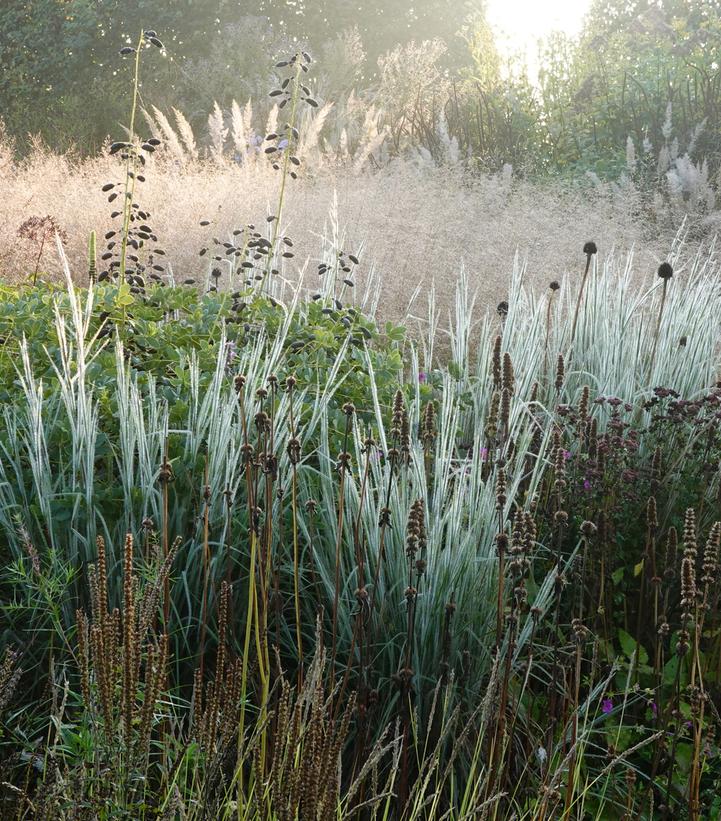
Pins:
x: 432, y: 568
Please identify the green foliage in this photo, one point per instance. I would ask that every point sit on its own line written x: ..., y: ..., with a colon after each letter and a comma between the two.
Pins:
x: 163, y: 330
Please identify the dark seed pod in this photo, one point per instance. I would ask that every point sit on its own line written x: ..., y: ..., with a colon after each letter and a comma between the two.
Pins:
x: 311, y: 102
x: 115, y: 147
x: 349, y: 283
x: 115, y: 214
x: 127, y: 50
x: 275, y: 93
x: 554, y: 286
x: 150, y: 33
x: 353, y: 259
x: 665, y: 271
x: 148, y: 147
x: 189, y: 282
x: 590, y: 248
x: 113, y: 197
x: 110, y: 234
x: 108, y: 186
x: 156, y: 42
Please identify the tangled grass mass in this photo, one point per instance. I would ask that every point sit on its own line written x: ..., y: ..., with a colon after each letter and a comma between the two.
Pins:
x: 287, y: 536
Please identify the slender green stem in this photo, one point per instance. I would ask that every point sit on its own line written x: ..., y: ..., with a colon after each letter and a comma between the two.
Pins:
x: 130, y: 164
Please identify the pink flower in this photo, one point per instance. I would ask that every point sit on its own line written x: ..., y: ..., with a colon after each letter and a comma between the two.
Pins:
x: 586, y: 484
x: 484, y: 453
x: 422, y: 377
x: 566, y: 455
x: 606, y: 706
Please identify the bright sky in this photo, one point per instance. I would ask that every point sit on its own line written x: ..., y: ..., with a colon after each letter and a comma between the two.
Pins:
x: 519, y: 24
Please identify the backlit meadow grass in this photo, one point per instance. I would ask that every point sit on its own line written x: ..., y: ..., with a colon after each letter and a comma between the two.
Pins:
x: 268, y: 555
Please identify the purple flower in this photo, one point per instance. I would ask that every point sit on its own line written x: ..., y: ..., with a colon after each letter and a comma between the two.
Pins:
x: 654, y: 708
x: 586, y: 484
x: 484, y: 453
x: 422, y: 377
x: 566, y: 455
x: 283, y: 144
x: 606, y: 706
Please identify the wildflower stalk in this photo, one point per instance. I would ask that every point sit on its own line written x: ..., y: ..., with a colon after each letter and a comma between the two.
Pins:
x: 298, y: 60
x: 130, y: 164
x: 294, y: 456
x: 589, y: 249
x: 665, y: 272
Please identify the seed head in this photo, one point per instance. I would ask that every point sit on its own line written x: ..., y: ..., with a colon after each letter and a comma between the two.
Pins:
x: 665, y: 271
x: 711, y: 555
x: 496, y: 362
x: 428, y: 428
x: 508, y: 375
x: 589, y: 248
x: 560, y: 372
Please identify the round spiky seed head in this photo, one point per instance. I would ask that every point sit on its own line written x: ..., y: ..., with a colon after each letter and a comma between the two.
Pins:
x: 588, y: 529
x: 589, y: 248
x: 665, y: 271
x: 554, y: 285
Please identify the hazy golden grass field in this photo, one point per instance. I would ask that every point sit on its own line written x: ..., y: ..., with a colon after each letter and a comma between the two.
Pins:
x: 412, y: 224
